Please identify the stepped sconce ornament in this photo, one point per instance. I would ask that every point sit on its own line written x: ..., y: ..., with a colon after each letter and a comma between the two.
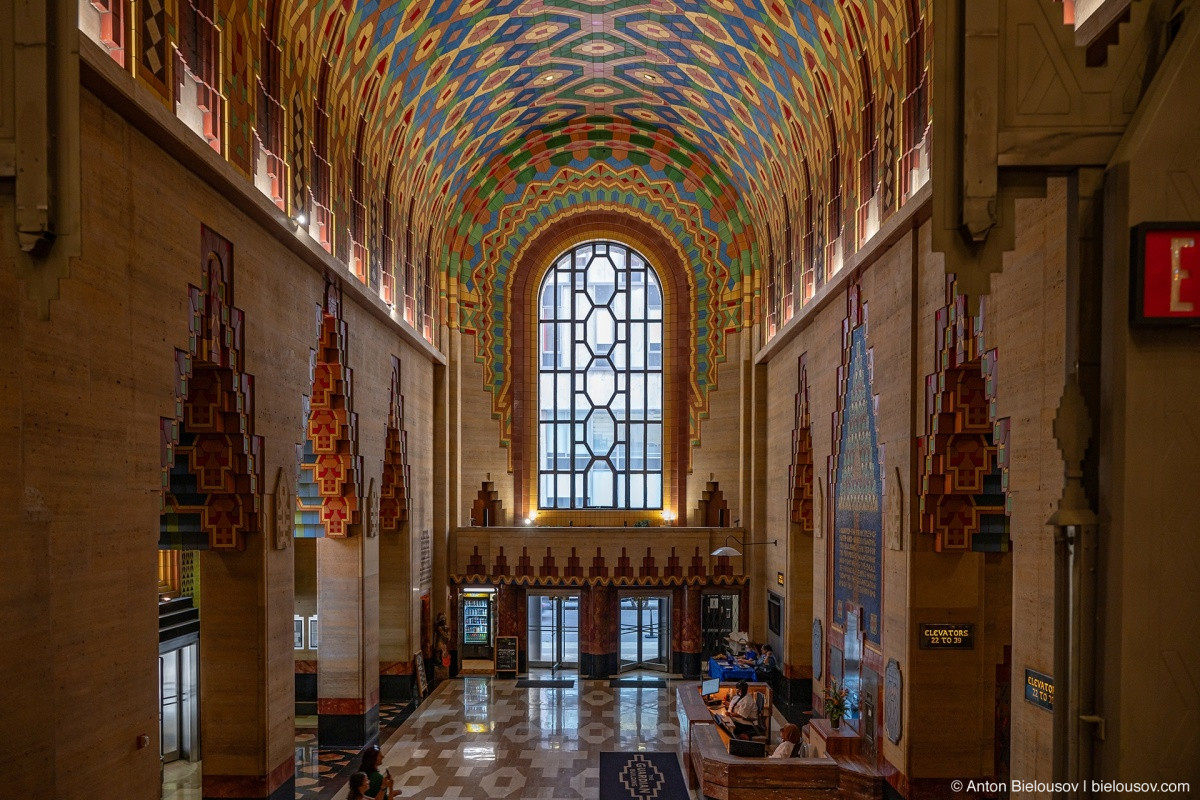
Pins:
x: 283, y: 508
x: 893, y: 518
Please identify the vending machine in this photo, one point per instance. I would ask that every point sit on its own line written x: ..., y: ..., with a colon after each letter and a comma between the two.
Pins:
x: 477, y: 624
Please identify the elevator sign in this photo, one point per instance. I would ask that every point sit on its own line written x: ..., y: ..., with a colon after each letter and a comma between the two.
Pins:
x: 1039, y: 689
x: 946, y: 636
x: 1164, y: 266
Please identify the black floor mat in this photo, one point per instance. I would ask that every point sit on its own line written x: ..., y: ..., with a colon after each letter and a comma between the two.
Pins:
x: 633, y: 683
x: 525, y: 683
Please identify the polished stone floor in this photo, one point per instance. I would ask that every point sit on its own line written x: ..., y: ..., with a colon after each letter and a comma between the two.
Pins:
x: 480, y: 737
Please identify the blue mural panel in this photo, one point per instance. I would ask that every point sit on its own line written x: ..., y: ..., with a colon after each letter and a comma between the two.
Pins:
x: 858, y: 489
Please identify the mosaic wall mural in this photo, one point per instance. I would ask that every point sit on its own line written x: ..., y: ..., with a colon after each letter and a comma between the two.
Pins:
x: 858, y: 487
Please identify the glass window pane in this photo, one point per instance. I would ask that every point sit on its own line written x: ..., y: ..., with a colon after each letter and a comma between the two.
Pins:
x: 562, y: 346
x: 546, y: 395
x: 654, y: 395
x: 562, y: 452
x: 562, y: 396
x: 546, y: 446
x: 654, y: 491
x: 600, y: 485
x: 637, y: 491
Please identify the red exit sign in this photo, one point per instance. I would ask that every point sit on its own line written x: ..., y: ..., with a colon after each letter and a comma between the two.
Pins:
x: 1165, y: 273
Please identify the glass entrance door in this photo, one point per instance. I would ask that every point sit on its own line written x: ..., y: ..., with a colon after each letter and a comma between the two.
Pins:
x: 645, y: 632
x: 554, y: 631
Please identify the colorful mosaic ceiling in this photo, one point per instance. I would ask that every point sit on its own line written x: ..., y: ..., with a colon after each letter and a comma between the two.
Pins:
x: 715, y: 119
x: 762, y: 140
x: 472, y: 100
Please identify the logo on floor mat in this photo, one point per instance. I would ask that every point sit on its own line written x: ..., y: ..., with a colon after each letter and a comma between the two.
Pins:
x: 642, y: 778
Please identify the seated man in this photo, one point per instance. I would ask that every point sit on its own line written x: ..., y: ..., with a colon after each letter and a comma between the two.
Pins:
x: 743, y: 712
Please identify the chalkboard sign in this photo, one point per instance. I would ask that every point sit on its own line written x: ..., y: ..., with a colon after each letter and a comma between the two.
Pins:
x: 506, y: 655
x: 422, y: 678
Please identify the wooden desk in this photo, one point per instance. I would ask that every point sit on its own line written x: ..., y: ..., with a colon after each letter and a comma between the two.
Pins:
x: 727, y: 777
x: 694, y: 713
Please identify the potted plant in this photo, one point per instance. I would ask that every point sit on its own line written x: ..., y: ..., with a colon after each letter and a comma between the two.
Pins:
x: 835, y: 703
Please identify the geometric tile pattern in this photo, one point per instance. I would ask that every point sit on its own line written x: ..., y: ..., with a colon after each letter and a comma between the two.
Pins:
x: 330, y: 468
x: 211, y: 457
x: 479, y: 737
x: 152, y: 37
x: 801, y: 469
x: 957, y: 450
x: 393, y: 494
x: 744, y: 109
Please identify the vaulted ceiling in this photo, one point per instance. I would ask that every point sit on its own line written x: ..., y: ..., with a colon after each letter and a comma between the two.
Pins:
x: 489, y: 109
x: 749, y: 134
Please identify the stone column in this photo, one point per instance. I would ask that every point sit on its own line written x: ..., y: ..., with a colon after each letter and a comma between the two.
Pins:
x: 398, y: 640
x: 348, y: 652
x: 691, y: 633
x: 599, y: 635
x: 511, y: 618
x: 238, y: 652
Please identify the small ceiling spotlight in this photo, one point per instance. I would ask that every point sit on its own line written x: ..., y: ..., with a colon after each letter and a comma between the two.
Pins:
x: 301, y: 218
x: 529, y: 520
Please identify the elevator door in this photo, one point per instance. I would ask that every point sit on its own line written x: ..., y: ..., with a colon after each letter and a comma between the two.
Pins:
x: 178, y: 712
x: 554, y: 631
x: 645, y: 632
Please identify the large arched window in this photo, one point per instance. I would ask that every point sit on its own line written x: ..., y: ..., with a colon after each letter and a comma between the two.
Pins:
x: 600, y: 381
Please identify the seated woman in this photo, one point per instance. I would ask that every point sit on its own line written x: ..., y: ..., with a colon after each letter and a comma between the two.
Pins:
x: 766, y: 666
x: 743, y: 712
x: 791, y: 746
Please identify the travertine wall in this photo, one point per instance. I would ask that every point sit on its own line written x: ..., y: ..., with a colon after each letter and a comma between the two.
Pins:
x: 902, y: 288
x: 1026, y: 324
x: 886, y: 292
x: 85, y: 391
x: 1148, y: 644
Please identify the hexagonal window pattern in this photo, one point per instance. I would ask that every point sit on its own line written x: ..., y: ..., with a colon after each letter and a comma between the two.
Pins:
x: 600, y: 315
x: 601, y: 383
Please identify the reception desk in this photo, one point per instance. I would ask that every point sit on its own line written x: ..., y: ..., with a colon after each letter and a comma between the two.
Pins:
x: 726, y: 777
